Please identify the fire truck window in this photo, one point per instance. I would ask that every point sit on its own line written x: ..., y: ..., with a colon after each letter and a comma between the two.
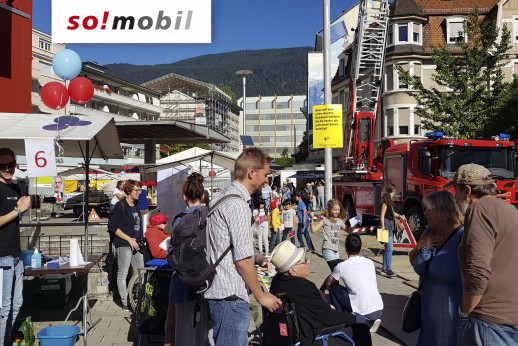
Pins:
x: 425, y: 161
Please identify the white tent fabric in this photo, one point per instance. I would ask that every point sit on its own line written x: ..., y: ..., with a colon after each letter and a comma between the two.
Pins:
x: 72, y: 131
x: 85, y: 136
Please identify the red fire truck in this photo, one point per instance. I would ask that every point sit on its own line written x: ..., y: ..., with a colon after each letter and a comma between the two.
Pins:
x: 417, y: 167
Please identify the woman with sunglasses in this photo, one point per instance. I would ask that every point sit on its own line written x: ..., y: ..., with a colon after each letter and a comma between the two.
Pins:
x: 125, y: 224
x: 12, y: 205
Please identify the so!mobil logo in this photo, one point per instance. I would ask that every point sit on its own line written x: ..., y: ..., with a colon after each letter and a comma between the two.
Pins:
x: 131, y: 21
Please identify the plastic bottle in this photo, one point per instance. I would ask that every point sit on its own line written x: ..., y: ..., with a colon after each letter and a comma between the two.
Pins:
x: 36, y: 259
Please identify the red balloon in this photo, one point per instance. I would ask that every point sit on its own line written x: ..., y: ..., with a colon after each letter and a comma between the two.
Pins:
x: 54, y: 95
x: 81, y: 90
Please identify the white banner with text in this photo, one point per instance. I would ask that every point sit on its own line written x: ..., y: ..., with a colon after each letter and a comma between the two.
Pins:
x: 131, y: 21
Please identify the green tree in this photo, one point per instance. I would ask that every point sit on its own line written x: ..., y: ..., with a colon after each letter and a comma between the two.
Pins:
x: 171, y: 149
x: 504, y: 120
x: 470, y: 81
x: 228, y: 90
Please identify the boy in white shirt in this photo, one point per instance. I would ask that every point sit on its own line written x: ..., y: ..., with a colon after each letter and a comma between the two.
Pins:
x: 358, y: 274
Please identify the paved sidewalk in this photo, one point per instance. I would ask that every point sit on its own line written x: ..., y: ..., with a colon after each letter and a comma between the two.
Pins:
x: 115, y: 327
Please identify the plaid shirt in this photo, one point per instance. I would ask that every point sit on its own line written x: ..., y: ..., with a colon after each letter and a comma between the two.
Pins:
x: 230, y: 224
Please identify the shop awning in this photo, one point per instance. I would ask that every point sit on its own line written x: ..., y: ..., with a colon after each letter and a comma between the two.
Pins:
x: 72, y: 131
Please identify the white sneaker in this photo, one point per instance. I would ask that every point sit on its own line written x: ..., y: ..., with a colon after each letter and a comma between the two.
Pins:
x: 375, y: 325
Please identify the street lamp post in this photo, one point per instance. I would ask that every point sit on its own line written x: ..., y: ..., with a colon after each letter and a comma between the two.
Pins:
x: 244, y: 73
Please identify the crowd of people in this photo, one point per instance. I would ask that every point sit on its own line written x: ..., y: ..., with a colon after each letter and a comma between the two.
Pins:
x: 465, y: 258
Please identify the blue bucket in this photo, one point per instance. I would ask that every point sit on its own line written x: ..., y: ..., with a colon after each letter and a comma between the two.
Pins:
x: 58, y: 336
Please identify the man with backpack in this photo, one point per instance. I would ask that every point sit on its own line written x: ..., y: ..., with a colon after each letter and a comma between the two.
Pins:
x: 229, y: 226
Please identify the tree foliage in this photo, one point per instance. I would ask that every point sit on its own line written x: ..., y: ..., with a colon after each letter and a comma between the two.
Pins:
x: 276, y: 71
x: 228, y: 90
x: 171, y: 149
x: 471, y: 86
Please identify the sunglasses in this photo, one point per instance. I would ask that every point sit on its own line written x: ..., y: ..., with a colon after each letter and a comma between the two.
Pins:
x: 8, y: 165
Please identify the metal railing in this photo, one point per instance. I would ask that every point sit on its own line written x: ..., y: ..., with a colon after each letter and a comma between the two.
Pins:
x: 59, y: 245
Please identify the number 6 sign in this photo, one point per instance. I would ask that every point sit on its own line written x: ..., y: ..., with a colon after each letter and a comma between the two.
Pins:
x: 41, y: 157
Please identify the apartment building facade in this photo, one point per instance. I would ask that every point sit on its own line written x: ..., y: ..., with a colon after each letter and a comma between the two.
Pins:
x: 415, y: 27
x: 275, y: 123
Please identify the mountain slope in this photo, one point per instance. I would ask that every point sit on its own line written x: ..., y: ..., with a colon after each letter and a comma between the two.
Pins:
x: 276, y: 71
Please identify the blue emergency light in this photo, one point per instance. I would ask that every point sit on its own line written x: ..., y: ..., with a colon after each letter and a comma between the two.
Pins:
x: 504, y: 137
x: 434, y: 135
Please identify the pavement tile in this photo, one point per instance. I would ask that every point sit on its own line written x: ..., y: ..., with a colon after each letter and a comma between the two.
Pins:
x: 115, y: 329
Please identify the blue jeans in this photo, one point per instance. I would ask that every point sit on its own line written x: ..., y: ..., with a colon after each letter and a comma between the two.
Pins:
x: 126, y: 257
x: 304, y: 231
x: 274, y: 240
x: 12, y: 298
x: 231, y: 319
x: 389, y: 247
x: 473, y: 331
x: 285, y: 233
x: 321, y: 203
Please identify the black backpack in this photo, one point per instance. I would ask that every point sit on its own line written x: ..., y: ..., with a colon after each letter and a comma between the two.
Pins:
x: 188, y: 251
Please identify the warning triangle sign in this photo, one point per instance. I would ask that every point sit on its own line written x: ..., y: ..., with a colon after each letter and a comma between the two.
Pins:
x: 406, y: 238
x: 93, y: 216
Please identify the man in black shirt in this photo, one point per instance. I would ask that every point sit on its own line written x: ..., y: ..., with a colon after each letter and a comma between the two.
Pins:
x: 12, y: 205
x: 313, y: 313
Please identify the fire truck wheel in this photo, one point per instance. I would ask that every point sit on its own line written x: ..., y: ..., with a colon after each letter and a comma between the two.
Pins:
x: 416, y: 221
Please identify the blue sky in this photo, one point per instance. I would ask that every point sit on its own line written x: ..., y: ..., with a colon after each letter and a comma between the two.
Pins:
x: 236, y: 25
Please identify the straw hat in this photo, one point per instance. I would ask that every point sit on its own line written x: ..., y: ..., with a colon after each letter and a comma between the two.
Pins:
x: 286, y: 255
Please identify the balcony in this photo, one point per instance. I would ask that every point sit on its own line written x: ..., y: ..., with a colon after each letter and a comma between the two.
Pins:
x: 127, y: 102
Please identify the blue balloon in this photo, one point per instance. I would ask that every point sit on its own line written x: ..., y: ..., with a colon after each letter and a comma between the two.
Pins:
x: 67, y: 64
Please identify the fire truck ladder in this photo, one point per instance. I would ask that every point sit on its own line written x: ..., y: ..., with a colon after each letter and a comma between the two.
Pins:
x: 366, y: 80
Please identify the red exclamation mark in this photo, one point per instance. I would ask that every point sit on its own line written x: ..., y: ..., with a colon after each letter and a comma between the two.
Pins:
x: 105, y: 20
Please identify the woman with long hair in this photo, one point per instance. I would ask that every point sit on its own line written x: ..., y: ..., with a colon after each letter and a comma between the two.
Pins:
x: 388, y: 218
x: 125, y: 224
x: 179, y: 326
x: 435, y: 258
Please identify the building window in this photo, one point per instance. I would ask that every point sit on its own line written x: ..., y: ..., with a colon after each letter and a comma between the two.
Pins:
x: 390, y: 38
x: 416, y: 32
x: 403, y: 130
x: 45, y: 45
x: 455, y: 30
x: 390, y: 130
x: 515, y: 29
x: 417, y: 130
x: 418, y: 71
x: 402, y: 84
x: 403, y: 33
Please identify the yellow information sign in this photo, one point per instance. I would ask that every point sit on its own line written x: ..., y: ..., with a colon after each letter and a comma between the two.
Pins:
x: 327, y: 126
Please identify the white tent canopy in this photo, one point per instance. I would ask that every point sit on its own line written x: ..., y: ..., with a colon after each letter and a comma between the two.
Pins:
x: 72, y: 131
x: 85, y: 136
x: 219, y: 158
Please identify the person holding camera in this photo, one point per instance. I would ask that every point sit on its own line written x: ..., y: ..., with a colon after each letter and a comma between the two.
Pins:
x: 125, y: 223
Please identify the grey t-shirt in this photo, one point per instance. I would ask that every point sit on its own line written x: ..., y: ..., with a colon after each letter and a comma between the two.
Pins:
x: 332, y: 233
